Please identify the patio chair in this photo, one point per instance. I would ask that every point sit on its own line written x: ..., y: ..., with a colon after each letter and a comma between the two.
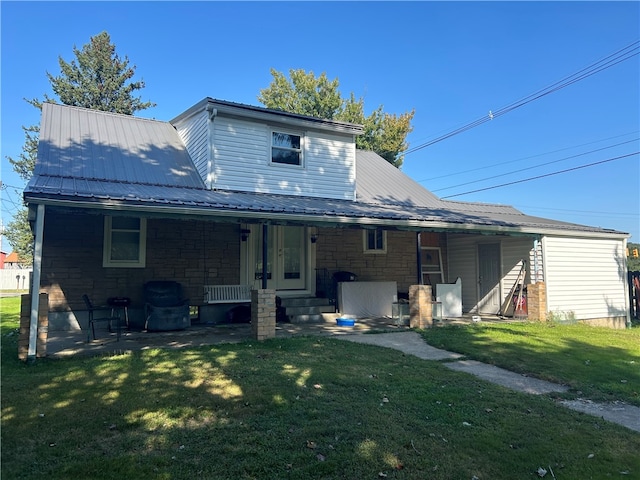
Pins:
x: 91, y: 330
x: 165, y: 309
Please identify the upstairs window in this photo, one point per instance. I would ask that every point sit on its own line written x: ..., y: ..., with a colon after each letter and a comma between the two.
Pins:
x: 375, y: 241
x: 286, y: 148
x: 124, y: 242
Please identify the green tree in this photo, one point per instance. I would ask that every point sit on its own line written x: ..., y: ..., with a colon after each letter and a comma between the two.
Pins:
x: 306, y: 94
x: 633, y: 262
x: 98, y: 79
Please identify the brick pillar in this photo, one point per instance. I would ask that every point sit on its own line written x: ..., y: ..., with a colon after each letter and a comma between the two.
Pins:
x: 25, y: 325
x: 537, y: 301
x: 263, y: 314
x: 420, y: 306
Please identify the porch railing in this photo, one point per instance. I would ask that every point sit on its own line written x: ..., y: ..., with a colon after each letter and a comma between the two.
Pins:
x: 227, y: 293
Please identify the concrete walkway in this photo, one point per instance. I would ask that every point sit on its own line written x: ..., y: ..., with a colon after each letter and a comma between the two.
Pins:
x: 412, y: 343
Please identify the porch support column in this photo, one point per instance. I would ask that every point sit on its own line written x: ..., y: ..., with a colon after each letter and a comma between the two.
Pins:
x: 537, y: 301
x: 35, y: 286
x: 420, y: 306
x: 265, y: 253
x: 263, y: 314
x: 419, y: 256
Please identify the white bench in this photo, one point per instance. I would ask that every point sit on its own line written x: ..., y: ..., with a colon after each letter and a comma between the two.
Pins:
x: 227, y: 293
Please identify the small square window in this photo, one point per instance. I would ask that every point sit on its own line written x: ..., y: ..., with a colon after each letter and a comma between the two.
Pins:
x: 375, y: 241
x: 124, y: 242
x: 286, y: 148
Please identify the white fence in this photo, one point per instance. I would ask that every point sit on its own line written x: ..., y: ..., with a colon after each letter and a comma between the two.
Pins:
x: 15, y: 278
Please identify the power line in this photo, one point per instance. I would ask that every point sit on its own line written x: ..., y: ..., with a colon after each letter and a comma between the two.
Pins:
x: 607, y: 62
x: 463, y: 172
x: 535, y: 166
x: 543, y: 176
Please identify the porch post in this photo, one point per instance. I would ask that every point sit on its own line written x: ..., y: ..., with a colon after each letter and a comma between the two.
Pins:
x: 265, y: 252
x: 419, y: 256
x: 420, y: 306
x: 263, y: 314
x: 35, y: 286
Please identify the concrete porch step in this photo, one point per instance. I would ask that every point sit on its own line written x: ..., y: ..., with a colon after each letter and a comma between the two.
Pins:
x: 304, y: 302
x: 308, y: 310
x: 314, y: 318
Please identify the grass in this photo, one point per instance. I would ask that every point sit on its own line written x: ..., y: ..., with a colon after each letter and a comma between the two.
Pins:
x: 601, y: 364
x: 302, y: 408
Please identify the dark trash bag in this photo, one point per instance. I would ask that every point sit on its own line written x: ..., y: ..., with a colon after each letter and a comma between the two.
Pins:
x: 344, y: 277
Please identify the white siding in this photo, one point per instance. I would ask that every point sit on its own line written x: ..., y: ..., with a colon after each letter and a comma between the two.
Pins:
x: 462, y: 259
x: 242, y: 162
x: 194, y: 135
x: 585, y: 276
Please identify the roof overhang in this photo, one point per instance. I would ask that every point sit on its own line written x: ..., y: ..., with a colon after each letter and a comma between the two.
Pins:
x: 378, y: 216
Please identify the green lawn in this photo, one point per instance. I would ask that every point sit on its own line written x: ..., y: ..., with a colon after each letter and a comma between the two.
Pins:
x: 303, y: 408
x: 597, y: 363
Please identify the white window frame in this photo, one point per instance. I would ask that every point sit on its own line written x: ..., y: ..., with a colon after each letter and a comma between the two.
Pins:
x: 365, y: 242
x: 107, y: 261
x: 300, y: 150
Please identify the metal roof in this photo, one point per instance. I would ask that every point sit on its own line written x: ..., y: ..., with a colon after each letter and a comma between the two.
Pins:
x: 104, y: 161
x: 90, y: 144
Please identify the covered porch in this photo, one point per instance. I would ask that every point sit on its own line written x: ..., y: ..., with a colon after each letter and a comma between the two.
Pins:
x: 69, y: 344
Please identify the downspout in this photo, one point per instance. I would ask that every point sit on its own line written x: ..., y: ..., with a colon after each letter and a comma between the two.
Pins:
x: 536, y: 266
x: 419, y: 256
x: 627, y: 286
x: 265, y: 252
x: 35, y: 286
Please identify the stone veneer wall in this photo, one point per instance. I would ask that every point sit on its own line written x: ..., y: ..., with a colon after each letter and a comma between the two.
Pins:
x: 191, y: 252
x: 342, y: 250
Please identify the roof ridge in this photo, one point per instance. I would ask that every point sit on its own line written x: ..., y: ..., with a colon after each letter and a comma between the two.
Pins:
x: 104, y: 112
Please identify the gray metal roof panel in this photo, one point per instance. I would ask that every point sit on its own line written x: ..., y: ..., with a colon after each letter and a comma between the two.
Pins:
x: 377, y: 181
x: 82, y: 143
x: 246, y: 204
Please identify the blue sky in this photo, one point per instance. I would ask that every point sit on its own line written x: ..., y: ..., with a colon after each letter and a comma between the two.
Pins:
x: 453, y: 62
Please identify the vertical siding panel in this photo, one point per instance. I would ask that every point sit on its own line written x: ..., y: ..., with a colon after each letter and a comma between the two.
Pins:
x: 585, y: 276
x: 462, y: 262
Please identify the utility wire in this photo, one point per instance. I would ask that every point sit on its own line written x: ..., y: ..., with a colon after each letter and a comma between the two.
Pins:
x: 609, y: 61
x: 463, y: 172
x: 543, y: 176
x: 535, y: 166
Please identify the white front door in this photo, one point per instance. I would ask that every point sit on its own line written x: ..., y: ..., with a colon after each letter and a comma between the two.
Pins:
x: 286, y: 257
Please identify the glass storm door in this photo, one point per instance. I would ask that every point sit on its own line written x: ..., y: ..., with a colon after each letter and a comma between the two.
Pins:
x: 285, y: 258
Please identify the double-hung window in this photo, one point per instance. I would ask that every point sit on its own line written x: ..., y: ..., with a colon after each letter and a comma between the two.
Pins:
x: 375, y: 241
x: 124, y: 242
x: 286, y: 148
